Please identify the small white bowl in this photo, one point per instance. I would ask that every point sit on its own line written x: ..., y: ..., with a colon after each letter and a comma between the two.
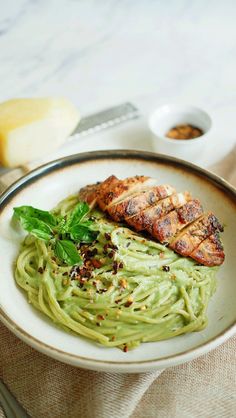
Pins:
x: 167, y: 117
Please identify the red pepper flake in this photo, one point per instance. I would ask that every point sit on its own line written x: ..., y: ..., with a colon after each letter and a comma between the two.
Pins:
x: 114, y: 247
x: 90, y: 253
x: 125, y: 349
x: 118, y: 301
x: 100, y: 317
x: 102, y: 290
x: 107, y: 236
x: 96, y: 263
x: 65, y: 274
x: 111, y: 254
x: 113, y: 338
x: 129, y: 302
x: 106, y: 247
x: 117, y: 266
x: 41, y: 270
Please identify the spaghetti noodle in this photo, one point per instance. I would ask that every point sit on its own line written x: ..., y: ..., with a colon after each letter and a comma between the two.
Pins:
x: 130, y: 289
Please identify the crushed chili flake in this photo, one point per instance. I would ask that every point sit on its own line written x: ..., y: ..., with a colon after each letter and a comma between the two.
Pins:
x: 117, y: 265
x: 106, y: 247
x: 185, y: 131
x: 96, y: 263
x: 107, y: 236
x: 129, y: 302
x: 65, y: 273
x: 41, y: 270
x: 125, y: 349
x: 102, y: 290
x: 91, y: 253
x: 111, y: 254
x: 117, y: 301
x: 101, y: 317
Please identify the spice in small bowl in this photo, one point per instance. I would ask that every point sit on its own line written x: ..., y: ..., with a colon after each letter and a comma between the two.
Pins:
x: 184, y: 132
x: 180, y: 131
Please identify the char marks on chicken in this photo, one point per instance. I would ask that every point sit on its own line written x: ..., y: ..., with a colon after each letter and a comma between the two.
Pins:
x: 172, y: 218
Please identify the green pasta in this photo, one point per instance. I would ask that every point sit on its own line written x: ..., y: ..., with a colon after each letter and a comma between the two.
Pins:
x: 139, y: 290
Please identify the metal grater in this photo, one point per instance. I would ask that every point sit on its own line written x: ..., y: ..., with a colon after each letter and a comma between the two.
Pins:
x: 88, y: 125
x: 106, y: 119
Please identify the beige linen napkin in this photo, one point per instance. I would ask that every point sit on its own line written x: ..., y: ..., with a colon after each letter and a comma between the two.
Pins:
x: 203, y: 388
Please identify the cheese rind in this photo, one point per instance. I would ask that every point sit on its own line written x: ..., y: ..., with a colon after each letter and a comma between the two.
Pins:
x: 32, y: 128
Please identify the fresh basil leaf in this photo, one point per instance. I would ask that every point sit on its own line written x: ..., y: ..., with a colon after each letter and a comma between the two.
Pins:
x: 61, y: 227
x: 77, y: 215
x: 30, y: 211
x: 37, y: 228
x: 87, y: 223
x: 82, y: 234
x: 66, y: 251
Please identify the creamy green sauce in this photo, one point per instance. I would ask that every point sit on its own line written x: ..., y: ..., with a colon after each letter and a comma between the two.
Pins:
x: 139, y: 290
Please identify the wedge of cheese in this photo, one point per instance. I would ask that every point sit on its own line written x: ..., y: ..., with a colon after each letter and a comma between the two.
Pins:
x: 32, y: 128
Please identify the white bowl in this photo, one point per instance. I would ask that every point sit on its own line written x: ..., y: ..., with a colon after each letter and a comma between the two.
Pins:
x: 168, y: 116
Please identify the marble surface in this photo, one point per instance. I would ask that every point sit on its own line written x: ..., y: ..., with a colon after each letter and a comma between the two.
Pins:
x: 101, y: 53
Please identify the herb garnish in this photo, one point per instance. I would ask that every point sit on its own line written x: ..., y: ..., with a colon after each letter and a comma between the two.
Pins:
x: 63, y: 233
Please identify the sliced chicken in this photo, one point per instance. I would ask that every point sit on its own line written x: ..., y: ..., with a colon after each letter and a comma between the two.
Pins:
x: 172, y: 223
x: 113, y: 193
x: 133, y: 204
x: 192, y: 236
x: 170, y: 217
x: 112, y: 190
x: 210, y: 252
x: 145, y: 219
x: 89, y: 194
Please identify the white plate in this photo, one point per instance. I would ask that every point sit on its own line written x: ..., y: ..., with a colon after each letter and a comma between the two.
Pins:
x: 44, y: 188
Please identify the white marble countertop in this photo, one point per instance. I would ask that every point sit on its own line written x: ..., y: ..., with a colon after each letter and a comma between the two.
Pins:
x: 101, y: 53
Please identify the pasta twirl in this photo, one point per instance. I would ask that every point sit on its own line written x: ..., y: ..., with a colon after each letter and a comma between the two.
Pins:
x: 137, y: 290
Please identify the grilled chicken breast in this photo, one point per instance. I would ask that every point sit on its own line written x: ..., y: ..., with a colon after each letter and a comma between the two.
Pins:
x: 192, y: 236
x: 172, y: 223
x: 210, y: 252
x: 137, y: 202
x: 172, y: 218
x: 145, y: 219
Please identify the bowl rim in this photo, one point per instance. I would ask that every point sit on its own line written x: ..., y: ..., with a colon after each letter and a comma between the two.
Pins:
x: 96, y: 364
